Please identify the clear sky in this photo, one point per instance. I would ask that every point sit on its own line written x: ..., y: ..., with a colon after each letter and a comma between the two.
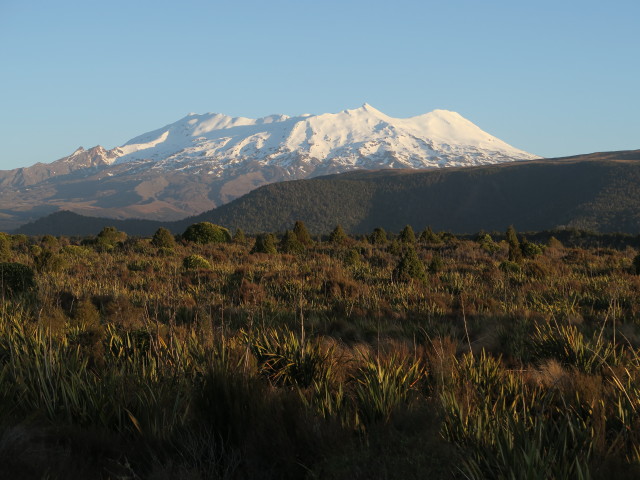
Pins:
x: 550, y: 77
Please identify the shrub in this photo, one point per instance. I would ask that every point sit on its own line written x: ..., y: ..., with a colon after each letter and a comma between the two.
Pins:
x: 302, y: 234
x: 515, y: 253
x: 636, y: 264
x: 487, y: 244
x: 352, y: 257
x: 510, y: 267
x: 239, y: 237
x: 76, y: 251
x: 110, y: 237
x: 337, y: 236
x: 49, y: 242
x: 16, y: 278
x: 407, y: 235
x: 47, y: 261
x: 5, y: 247
x: 410, y: 267
x: 206, y: 232
x: 290, y: 243
x: 436, y: 264
x: 19, y: 240
x: 530, y: 250
x: 427, y: 236
x: 265, y: 243
x: 163, y: 239
x: 378, y: 236
x: 195, y: 262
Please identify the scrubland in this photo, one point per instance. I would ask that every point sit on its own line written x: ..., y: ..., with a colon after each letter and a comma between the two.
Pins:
x: 343, y: 358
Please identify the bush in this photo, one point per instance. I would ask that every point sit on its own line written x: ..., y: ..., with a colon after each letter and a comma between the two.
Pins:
x: 195, y: 262
x: 76, y: 251
x: 436, y: 264
x: 487, y: 244
x: 47, y: 261
x: 206, y: 232
x: 407, y: 235
x: 530, y: 250
x: 410, y: 267
x: 510, y: 267
x: 352, y: 257
x: 378, y: 236
x: 515, y: 252
x: 265, y: 243
x: 302, y: 234
x: 49, y: 242
x: 5, y: 247
x: 163, y: 239
x: 110, y: 237
x: 636, y: 264
x: 427, y: 236
x: 337, y: 236
x: 239, y: 237
x: 290, y: 243
x: 16, y: 278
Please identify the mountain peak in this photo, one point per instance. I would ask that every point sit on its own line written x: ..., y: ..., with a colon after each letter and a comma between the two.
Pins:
x: 205, y: 160
x: 365, y: 108
x: 438, y: 138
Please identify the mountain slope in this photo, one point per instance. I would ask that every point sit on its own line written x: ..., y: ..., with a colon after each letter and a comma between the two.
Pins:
x: 596, y: 192
x: 203, y: 161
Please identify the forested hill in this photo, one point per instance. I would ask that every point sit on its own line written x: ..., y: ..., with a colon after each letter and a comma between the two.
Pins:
x: 599, y: 192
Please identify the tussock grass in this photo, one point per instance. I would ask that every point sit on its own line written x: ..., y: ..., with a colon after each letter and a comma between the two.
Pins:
x: 319, y: 364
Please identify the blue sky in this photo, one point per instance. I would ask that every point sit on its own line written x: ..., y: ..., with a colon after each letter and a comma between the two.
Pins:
x: 550, y: 77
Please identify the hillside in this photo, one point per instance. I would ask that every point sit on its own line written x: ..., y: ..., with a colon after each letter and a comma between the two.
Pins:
x: 203, y: 161
x: 599, y: 192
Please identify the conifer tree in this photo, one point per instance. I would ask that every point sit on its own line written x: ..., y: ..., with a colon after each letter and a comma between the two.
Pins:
x: 338, y: 236
x: 378, y: 236
x: 290, y: 243
x: 265, y: 243
x: 302, y: 234
x: 239, y: 237
x: 515, y: 253
x: 407, y: 235
x: 427, y: 236
x: 436, y: 264
x: 410, y: 267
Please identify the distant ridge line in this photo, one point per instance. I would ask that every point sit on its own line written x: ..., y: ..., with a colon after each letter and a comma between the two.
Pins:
x: 598, y: 192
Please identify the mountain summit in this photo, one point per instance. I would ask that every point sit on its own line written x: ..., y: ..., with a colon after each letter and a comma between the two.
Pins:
x: 205, y: 160
x: 359, y: 138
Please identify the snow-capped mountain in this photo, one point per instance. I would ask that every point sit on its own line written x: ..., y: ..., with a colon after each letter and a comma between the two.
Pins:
x: 202, y: 161
x: 359, y: 138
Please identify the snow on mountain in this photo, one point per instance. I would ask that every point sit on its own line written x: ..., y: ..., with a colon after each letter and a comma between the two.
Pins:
x: 358, y: 138
x: 203, y: 161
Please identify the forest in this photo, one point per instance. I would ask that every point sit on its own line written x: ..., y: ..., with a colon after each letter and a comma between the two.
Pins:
x: 214, y: 354
x: 596, y: 192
